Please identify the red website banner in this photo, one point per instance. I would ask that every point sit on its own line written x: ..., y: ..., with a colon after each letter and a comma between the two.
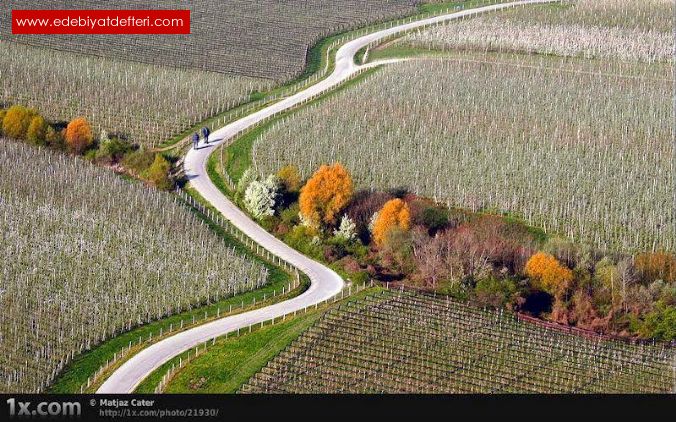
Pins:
x: 100, y: 21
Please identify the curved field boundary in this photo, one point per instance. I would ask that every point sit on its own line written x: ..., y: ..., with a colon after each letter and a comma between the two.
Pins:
x: 325, y: 283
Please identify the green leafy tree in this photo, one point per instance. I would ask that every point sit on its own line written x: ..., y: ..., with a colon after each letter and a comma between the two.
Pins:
x: 112, y: 150
x: 494, y: 292
x: 660, y: 324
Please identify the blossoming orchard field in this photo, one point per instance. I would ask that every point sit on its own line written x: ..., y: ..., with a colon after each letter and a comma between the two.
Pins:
x: 146, y: 104
x: 347, y: 196
x: 583, y: 149
x: 150, y: 89
x: 264, y: 38
x: 87, y: 255
x: 607, y: 29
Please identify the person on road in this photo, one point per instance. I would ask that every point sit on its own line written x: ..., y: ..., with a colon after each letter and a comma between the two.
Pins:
x: 195, y: 140
x: 205, y: 134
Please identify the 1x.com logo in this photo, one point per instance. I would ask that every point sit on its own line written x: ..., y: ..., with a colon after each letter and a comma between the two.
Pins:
x: 54, y: 408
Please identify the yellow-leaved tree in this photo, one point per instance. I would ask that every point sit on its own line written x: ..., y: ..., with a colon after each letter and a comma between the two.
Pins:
x: 16, y: 121
x: 548, y: 273
x: 290, y: 178
x: 325, y: 194
x: 394, y: 214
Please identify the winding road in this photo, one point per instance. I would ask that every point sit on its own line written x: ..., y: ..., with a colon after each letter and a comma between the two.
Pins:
x: 325, y: 283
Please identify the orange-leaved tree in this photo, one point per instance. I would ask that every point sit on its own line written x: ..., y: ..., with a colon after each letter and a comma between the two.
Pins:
x: 394, y: 214
x: 79, y: 135
x: 325, y: 194
x: 548, y: 273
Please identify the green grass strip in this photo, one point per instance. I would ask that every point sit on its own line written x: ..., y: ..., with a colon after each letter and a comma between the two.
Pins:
x: 226, y: 365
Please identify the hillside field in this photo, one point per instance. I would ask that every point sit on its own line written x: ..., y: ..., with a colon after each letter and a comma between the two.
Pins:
x: 265, y: 39
x: 580, y: 149
x: 150, y: 89
x: 141, y: 103
x: 87, y: 255
x: 398, y: 342
x: 594, y: 29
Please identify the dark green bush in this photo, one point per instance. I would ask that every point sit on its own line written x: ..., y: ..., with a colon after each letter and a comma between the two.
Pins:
x: 112, y: 150
x: 434, y: 219
x: 493, y: 292
x: 660, y: 324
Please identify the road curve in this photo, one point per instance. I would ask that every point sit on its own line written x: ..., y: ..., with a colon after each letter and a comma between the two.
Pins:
x: 325, y: 283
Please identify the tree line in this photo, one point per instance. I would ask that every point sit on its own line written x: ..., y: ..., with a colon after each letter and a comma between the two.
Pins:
x: 490, y: 260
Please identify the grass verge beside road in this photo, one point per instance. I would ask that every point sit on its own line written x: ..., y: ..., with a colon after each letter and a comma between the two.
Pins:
x: 226, y: 365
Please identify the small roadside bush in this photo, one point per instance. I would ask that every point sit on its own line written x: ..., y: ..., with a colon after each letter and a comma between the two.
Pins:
x: 303, y: 239
x: 158, y: 173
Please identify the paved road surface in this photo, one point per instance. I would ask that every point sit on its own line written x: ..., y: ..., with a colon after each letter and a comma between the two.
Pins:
x: 325, y: 283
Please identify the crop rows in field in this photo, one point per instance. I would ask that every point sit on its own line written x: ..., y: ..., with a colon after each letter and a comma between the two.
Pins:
x: 616, y: 29
x: 86, y: 255
x: 584, y: 150
x: 407, y: 343
x: 264, y: 38
x: 147, y: 104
